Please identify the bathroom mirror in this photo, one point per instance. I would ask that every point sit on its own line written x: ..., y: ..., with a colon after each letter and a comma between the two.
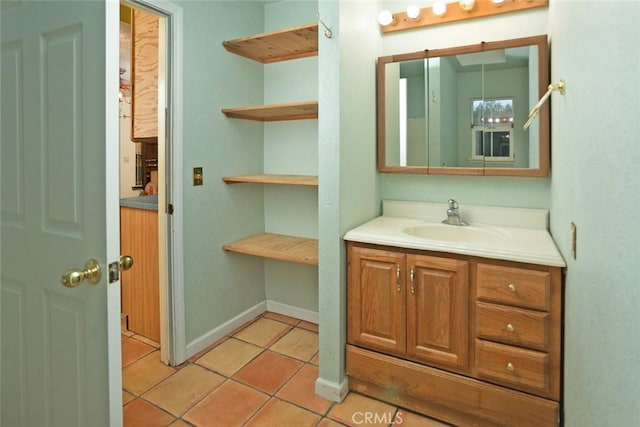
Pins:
x: 461, y: 110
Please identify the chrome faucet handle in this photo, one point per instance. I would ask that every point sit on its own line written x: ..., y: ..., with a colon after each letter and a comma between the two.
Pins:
x: 453, y: 204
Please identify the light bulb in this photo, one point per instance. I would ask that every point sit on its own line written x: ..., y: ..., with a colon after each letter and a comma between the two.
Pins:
x: 385, y: 18
x: 498, y: 3
x: 467, y: 4
x: 439, y: 8
x: 413, y: 12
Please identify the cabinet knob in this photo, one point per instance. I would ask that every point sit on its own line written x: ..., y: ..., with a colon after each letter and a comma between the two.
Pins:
x: 510, y: 367
x: 512, y: 287
x: 510, y: 327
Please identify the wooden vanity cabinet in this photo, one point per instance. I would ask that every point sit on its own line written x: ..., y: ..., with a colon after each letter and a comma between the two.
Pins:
x: 413, y: 306
x: 468, y: 340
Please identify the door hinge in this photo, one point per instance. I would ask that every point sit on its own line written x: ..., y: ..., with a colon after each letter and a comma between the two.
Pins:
x: 170, y: 208
x: 114, y: 271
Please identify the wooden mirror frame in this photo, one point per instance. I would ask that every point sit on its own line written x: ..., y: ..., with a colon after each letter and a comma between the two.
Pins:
x: 542, y: 121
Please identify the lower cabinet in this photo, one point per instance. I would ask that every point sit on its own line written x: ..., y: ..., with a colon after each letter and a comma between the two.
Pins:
x: 467, y: 340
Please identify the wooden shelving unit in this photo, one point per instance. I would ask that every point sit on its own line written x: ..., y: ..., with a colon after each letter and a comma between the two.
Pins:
x: 275, y: 112
x: 282, y: 45
x: 308, y: 180
x: 278, y: 246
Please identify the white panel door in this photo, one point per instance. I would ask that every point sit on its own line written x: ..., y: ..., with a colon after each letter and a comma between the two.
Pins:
x: 60, y: 346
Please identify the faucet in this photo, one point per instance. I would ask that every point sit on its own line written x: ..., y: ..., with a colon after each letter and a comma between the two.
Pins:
x: 453, y: 214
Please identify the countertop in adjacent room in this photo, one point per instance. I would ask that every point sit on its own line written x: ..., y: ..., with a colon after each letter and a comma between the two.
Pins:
x: 141, y: 202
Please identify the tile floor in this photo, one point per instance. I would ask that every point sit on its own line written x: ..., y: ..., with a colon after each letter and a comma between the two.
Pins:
x: 263, y: 374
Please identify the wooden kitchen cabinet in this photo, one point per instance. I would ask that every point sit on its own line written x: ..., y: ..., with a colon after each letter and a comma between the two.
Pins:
x: 144, y: 77
x: 468, y: 340
x: 140, y: 284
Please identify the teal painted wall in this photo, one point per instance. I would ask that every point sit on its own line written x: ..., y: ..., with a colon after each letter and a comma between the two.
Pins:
x: 291, y: 148
x: 219, y: 286
x: 595, y: 132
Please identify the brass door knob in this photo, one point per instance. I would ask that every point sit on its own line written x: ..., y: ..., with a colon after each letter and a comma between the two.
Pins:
x: 91, y: 272
x: 126, y: 262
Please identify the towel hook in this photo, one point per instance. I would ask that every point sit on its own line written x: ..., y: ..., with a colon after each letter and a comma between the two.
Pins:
x: 327, y: 31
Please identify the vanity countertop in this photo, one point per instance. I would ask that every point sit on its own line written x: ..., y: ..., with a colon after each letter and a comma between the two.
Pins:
x: 141, y: 202
x: 512, y: 234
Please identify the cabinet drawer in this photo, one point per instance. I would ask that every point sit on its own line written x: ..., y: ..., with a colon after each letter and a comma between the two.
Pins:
x: 527, y: 370
x: 512, y: 325
x: 514, y: 286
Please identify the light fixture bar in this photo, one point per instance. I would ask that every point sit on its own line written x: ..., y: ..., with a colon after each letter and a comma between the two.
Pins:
x: 482, y: 8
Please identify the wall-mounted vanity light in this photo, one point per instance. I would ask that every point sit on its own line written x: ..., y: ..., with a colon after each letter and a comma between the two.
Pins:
x: 439, y: 8
x: 413, y: 12
x: 442, y: 12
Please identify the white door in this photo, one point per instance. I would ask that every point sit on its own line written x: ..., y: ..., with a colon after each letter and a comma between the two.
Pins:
x: 60, y: 346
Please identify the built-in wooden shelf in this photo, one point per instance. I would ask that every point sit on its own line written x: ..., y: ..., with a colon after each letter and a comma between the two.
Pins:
x: 281, y: 45
x: 277, y: 246
x: 275, y: 112
x: 309, y: 180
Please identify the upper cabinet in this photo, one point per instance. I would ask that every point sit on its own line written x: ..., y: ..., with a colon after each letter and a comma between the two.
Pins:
x: 461, y: 110
x: 145, y: 31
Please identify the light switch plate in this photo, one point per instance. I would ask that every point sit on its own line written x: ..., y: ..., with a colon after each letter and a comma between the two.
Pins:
x: 197, y: 176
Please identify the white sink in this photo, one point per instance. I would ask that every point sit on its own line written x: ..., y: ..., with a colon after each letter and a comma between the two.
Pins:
x: 455, y: 233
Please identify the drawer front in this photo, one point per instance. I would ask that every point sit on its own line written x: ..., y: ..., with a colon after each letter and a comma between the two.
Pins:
x: 526, y: 370
x: 514, y: 286
x: 510, y: 325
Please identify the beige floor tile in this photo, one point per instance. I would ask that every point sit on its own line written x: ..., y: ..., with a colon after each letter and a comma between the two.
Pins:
x: 315, y: 360
x: 231, y: 404
x: 281, y: 318
x: 127, y: 397
x: 183, y: 389
x: 410, y: 419
x: 152, y: 343
x: 269, y: 371
x: 143, y: 374
x: 280, y: 413
x: 140, y: 413
x: 229, y: 356
x: 263, y: 332
x: 326, y: 422
x: 308, y: 325
x: 133, y: 350
x: 300, y: 390
x: 298, y: 343
x: 358, y: 410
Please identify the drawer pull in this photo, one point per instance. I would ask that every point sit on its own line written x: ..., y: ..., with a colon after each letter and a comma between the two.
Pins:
x: 510, y: 327
x: 413, y: 289
x: 512, y: 287
x: 510, y: 367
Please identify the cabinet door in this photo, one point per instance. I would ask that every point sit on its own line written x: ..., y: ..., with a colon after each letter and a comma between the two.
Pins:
x: 144, y: 108
x: 376, y: 298
x: 437, y: 310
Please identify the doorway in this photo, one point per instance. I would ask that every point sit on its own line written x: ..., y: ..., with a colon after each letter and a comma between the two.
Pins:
x: 152, y: 304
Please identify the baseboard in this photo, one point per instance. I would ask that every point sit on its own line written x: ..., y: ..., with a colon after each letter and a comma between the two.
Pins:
x: 331, y: 390
x: 293, y: 311
x: 204, y: 341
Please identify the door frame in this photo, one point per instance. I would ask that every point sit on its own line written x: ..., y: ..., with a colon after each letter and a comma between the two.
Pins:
x: 172, y: 310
